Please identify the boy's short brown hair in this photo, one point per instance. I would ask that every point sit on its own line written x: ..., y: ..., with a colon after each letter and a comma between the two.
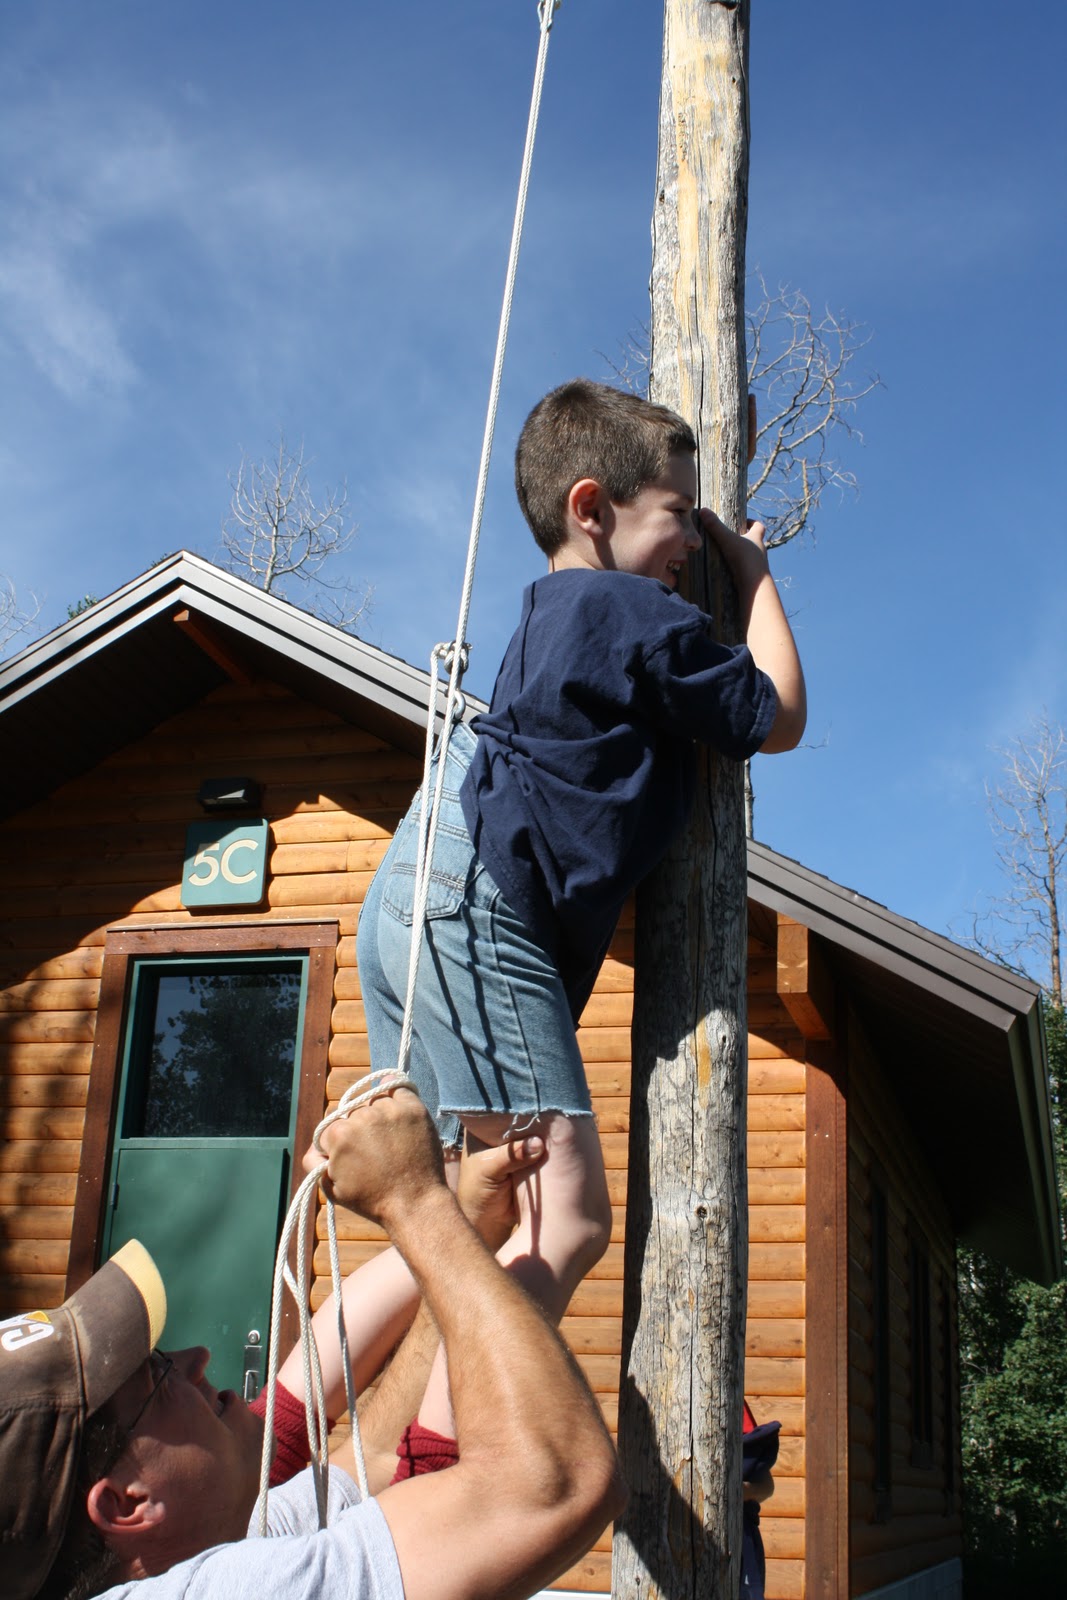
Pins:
x: 591, y: 430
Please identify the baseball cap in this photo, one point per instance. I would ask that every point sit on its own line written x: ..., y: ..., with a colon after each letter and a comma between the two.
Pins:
x: 56, y: 1369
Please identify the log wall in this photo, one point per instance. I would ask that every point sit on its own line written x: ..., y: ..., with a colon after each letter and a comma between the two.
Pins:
x: 917, y: 1523
x: 775, y: 1336
x: 107, y: 849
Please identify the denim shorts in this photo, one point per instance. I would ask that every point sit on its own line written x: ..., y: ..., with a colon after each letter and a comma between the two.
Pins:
x: 492, y: 1029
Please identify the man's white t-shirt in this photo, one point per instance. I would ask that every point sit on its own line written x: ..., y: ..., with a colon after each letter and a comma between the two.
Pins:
x: 352, y: 1557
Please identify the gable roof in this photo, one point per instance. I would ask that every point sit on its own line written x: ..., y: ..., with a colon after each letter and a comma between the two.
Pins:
x: 960, y: 1037
x: 124, y: 665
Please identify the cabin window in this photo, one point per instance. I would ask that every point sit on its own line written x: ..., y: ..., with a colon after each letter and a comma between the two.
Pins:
x: 922, y: 1357
x: 880, y: 1347
x: 213, y: 1045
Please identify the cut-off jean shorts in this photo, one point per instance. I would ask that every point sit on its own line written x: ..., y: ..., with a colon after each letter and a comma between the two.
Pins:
x: 491, y: 1027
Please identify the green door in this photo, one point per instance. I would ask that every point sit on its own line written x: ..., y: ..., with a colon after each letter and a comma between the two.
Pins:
x: 202, y: 1160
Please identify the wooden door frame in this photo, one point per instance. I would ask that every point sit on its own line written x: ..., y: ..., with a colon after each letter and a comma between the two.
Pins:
x: 123, y: 946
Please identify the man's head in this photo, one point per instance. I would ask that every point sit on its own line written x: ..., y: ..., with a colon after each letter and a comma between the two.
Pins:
x: 58, y: 1369
x: 114, y: 1459
x: 586, y: 430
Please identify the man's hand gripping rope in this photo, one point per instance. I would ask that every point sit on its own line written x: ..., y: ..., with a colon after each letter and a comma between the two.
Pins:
x: 298, y: 1219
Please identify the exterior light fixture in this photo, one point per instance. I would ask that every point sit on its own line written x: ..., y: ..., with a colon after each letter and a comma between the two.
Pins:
x: 230, y: 794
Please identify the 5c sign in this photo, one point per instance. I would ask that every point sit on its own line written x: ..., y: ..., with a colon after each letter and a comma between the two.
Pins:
x: 225, y: 866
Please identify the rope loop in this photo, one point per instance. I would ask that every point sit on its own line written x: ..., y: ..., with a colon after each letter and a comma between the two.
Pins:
x: 551, y: 6
x: 298, y: 1221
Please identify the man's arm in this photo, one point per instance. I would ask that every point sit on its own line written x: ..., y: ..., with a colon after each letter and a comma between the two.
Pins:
x: 537, y: 1477
x: 380, y: 1298
x: 766, y: 628
x: 486, y: 1196
x: 385, y: 1414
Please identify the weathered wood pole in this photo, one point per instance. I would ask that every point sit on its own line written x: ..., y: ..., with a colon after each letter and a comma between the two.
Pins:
x: 687, y: 1215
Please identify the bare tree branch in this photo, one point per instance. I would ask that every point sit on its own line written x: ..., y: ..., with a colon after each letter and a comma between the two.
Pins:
x: 279, y: 536
x: 806, y: 398
x: 1023, y: 927
x: 798, y: 369
x: 16, y: 617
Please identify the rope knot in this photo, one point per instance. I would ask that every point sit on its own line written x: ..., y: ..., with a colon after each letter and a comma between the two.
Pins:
x: 446, y: 654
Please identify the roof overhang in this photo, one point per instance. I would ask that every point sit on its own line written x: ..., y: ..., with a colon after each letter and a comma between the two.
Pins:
x: 961, y: 1042
x: 161, y: 643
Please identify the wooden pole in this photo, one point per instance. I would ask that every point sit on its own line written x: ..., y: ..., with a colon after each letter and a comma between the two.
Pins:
x: 687, y: 1234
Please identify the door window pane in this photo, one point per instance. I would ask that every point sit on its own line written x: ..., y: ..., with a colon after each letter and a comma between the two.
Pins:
x: 219, y: 1046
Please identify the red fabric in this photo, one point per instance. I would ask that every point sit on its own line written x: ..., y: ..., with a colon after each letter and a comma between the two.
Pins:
x: 421, y: 1450
x: 292, y: 1452
x: 750, y: 1421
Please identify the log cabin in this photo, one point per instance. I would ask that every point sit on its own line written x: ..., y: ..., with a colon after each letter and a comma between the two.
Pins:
x: 198, y: 783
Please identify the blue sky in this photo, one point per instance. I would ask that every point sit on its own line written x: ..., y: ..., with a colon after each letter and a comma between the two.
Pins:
x: 221, y: 221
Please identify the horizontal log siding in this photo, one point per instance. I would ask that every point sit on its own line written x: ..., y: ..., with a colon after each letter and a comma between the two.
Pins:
x: 593, y: 1324
x: 106, y: 849
x: 921, y: 1525
x: 777, y: 1196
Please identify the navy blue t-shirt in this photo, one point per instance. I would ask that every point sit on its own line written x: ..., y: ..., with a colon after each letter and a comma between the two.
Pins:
x: 584, y: 767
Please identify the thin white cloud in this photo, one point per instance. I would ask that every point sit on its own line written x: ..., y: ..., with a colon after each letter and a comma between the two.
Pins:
x: 67, y: 332
x: 243, y: 224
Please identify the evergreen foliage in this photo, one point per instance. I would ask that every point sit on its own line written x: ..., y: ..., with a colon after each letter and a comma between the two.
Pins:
x: 1013, y: 1369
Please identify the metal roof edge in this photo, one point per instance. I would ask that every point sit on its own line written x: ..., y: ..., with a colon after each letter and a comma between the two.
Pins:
x: 361, y: 669
x: 75, y: 652
x: 187, y: 579
x: 46, y: 657
x: 960, y: 977
x: 935, y: 963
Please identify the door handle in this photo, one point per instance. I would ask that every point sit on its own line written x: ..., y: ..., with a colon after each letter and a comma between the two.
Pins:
x: 253, y: 1365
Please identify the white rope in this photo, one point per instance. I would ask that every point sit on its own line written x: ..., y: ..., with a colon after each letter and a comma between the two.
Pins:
x: 454, y: 659
x: 457, y: 657
x: 298, y: 1220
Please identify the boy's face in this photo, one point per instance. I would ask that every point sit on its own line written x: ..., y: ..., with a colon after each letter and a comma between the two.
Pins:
x: 654, y: 535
